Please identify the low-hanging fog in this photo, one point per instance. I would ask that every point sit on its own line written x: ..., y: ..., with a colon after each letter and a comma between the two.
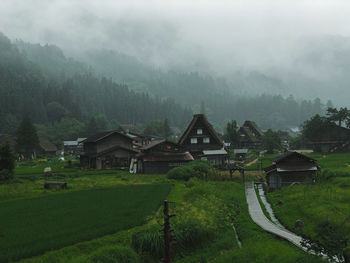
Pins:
x: 302, y: 45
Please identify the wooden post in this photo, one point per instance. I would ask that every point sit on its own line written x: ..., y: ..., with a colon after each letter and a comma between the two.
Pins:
x: 167, y: 232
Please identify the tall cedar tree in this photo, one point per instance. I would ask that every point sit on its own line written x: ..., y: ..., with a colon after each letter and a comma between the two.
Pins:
x: 166, y: 129
x: 27, y: 137
x: 271, y: 140
x: 7, y: 158
x: 231, y: 133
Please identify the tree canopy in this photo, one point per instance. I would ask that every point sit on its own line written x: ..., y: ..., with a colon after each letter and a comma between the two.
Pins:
x: 27, y: 138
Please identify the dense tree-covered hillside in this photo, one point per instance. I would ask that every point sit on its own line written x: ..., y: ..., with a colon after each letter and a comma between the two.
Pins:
x: 40, y: 81
x: 57, y: 88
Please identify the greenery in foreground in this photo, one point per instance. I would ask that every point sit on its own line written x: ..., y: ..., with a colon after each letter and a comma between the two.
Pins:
x: 324, y: 207
x: 33, y: 226
x: 205, y: 213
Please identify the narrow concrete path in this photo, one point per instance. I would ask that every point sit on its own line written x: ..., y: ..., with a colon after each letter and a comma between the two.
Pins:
x: 260, y: 219
x: 252, y: 162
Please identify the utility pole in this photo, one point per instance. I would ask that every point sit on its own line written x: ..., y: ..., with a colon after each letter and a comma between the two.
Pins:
x: 167, y: 232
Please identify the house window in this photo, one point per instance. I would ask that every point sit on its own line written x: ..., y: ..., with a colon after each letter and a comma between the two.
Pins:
x: 206, y: 140
x: 193, y: 140
x: 199, y: 131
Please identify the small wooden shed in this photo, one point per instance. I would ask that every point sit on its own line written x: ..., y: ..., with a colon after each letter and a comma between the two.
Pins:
x: 291, y: 168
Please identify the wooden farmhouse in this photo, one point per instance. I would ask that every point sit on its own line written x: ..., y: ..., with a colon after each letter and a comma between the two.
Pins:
x: 333, y: 139
x: 160, y: 156
x: 107, y: 150
x: 291, y: 168
x: 46, y: 147
x: 250, y: 135
x: 203, y: 142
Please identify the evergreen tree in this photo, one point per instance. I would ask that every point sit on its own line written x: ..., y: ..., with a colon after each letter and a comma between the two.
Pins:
x: 166, y: 129
x: 231, y: 133
x: 27, y: 138
x: 55, y: 111
x: 271, y: 140
x: 92, y: 127
x: 7, y: 159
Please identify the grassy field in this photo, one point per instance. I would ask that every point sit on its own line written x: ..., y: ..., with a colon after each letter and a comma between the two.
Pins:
x: 326, y: 202
x: 33, y: 226
x: 213, y: 207
x: 205, y: 212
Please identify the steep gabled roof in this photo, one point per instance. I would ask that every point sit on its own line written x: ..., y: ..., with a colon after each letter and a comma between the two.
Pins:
x: 203, y: 118
x: 152, y: 144
x: 248, y: 133
x: 101, y: 135
x: 289, y: 154
x: 254, y: 126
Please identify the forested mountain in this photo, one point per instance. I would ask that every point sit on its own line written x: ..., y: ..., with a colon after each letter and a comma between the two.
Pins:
x: 42, y: 82
x: 57, y: 88
x: 223, y: 100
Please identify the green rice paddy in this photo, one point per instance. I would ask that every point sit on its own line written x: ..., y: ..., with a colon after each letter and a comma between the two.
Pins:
x: 32, y: 226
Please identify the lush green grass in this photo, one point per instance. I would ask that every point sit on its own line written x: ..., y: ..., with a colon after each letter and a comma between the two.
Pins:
x: 213, y: 206
x: 33, y: 226
x: 325, y: 203
x: 313, y: 204
x: 22, y: 188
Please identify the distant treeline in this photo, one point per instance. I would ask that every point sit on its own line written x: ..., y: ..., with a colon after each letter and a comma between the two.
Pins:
x: 39, y: 81
x: 31, y: 89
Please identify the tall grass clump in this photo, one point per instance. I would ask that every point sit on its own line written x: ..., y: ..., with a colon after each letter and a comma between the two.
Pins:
x: 149, y: 241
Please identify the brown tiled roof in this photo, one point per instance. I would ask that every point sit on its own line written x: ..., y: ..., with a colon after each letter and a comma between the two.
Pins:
x: 101, y: 135
x: 166, y: 157
x: 289, y: 154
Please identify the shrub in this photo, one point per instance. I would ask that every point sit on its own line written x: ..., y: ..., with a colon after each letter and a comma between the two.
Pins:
x: 191, y: 234
x: 181, y: 173
x: 149, y: 241
x: 114, y: 254
x: 192, y: 182
x: 5, y: 174
x: 199, y: 169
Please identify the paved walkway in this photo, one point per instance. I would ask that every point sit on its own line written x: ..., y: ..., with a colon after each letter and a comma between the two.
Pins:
x: 260, y: 219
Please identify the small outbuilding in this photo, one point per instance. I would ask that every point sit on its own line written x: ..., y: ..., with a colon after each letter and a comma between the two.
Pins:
x: 291, y: 168
x: 107, y: 150
x: 160, y: 156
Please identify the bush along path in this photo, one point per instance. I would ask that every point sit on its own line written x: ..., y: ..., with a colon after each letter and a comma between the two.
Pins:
x: 261, y: 220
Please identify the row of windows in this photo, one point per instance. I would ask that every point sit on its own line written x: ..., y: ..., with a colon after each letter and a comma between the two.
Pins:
x: 195, y: 140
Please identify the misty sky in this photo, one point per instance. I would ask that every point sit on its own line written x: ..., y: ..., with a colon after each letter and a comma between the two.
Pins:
x: 221, y: 36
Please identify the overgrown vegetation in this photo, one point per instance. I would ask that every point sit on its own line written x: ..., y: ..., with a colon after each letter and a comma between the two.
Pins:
x: 197, y: 169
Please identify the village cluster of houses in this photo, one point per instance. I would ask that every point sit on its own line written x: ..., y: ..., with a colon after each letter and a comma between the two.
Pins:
x: 151, y: 154
x: 139, y: 153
